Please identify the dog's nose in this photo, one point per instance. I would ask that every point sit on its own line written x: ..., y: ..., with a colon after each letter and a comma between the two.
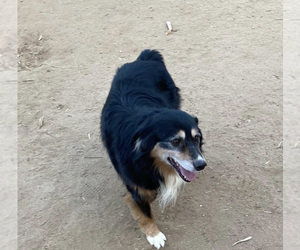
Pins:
x: 199, y: 164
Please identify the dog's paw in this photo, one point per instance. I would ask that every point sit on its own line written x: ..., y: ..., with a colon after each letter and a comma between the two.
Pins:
x: 158, y: 240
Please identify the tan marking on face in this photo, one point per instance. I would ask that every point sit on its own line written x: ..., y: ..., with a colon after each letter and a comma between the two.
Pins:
x: 147, y: 225
x: 164, y: 168
x: 194, y: 132
x: 181, y: 134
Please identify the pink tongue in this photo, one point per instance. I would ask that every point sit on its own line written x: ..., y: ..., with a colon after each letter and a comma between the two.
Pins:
x: 189, y: 175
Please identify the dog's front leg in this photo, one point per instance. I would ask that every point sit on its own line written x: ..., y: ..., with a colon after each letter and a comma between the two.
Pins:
x: 141, y: 211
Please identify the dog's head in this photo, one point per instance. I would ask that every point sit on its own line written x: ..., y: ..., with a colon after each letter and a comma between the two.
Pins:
x: 175, y: 143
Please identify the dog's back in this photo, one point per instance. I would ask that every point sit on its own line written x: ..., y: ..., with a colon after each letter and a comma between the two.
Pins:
x: 137, y: 86
x: 144, y: 82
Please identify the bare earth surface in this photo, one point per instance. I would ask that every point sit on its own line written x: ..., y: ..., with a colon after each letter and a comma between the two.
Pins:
x: 226, y: 57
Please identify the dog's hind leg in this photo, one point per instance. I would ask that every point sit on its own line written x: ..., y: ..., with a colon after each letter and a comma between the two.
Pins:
x: 141, y: 211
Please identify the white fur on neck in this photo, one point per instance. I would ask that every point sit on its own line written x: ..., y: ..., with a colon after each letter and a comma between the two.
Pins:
x: 169, y: 190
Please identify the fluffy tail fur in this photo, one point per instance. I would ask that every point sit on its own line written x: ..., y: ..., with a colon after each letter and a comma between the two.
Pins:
x: 150, y: 55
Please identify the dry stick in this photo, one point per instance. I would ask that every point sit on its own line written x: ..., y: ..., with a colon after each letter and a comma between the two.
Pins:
x: 170, y: 28
x: 243, y: 240
x: 169, y: 25
x: 41, y: 122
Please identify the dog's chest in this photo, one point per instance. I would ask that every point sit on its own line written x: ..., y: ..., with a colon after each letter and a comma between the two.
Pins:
x: 169, y: 190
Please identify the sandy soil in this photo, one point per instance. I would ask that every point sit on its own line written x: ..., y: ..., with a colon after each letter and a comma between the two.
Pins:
x: 226, y: 57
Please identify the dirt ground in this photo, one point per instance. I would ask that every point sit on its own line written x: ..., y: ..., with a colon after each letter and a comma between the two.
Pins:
x: 226, y: 57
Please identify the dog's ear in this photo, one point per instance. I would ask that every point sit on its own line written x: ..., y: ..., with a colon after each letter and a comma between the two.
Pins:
x: 144, y: 140
x: 148, y: 143
x: 196, y: 120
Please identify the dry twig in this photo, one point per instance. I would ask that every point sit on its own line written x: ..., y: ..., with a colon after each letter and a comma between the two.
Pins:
x: 41, y: 122
x: 170, y: 28
x: 243, y: 240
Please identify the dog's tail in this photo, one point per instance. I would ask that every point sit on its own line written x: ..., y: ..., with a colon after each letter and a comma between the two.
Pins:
x: 150, y: 55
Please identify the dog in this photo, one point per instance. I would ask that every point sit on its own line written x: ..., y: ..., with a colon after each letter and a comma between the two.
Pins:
x: 153, y: 145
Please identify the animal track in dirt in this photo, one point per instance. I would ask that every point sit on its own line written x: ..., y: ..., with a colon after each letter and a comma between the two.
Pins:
x: 33, y: 51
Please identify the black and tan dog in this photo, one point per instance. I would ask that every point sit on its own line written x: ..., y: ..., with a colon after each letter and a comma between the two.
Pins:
x: 154, y: 146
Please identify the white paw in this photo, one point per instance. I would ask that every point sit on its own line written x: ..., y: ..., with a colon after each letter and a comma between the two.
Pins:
x: 158, y: 240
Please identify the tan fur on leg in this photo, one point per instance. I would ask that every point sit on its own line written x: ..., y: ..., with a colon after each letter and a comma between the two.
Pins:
x: 147, y: 225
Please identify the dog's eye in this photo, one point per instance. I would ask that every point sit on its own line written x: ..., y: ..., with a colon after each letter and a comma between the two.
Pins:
x: 175, y: 142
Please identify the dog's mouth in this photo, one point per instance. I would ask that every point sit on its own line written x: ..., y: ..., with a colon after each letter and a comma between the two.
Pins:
x: 183, y: 173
